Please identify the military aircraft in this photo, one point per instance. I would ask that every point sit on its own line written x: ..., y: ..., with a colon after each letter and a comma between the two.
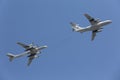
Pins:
x: 96, y: 26
x: 31, y: 50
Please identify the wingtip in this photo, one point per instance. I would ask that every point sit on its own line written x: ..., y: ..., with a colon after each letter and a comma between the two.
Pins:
x: 92, y: 39
x: 17, y: 42
x: 71, y: 23
x: 85, y: 14
x: 28, y: 65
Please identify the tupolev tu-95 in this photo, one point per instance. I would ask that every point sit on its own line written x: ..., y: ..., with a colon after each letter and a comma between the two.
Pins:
x: 31, y: 50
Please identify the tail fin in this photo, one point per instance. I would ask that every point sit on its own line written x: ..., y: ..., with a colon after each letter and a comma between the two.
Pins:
x: 75, y: 27
x: 11, y: 56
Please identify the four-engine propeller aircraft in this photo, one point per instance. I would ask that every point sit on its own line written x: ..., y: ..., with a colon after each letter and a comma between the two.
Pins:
x: 31, y: 50
x: 96, y: 26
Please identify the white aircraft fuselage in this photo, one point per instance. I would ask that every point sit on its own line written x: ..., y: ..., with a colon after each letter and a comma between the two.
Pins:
x: 95, y: 26
x: 30, y: 50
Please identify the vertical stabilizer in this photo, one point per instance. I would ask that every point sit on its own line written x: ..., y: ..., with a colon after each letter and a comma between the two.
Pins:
x: 75, y: 27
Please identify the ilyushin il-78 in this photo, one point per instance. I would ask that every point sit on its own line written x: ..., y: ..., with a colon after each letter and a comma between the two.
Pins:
x: 96, y: 26
x: 31, y: 50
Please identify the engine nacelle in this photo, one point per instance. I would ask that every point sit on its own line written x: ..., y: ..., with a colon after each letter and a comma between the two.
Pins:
x: 36, y: 56
x: 99, y: 31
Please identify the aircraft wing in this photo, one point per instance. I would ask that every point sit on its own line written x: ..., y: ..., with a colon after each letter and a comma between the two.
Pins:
x: 31, y: 57
x: 23, y: 45
x: 93, y: 35
x: 91, y: 19
x: 30, y: 60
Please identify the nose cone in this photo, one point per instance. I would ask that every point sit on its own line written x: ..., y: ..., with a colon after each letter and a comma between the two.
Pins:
x: 109, y: 21
x: 45, y: 46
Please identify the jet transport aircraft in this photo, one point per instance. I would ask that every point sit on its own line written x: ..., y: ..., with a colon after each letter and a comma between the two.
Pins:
x: 96, y: 26
x: 31, y: 50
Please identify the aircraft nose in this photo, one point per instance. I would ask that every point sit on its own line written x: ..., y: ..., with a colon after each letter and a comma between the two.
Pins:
x: 45, y: 46
x: 109, y: 21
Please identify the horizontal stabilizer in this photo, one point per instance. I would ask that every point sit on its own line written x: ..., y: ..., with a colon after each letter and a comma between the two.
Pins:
x: 11, y: 56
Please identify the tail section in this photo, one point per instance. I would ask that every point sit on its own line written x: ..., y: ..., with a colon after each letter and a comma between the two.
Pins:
x: 75, y: 27
x: 11, y: 56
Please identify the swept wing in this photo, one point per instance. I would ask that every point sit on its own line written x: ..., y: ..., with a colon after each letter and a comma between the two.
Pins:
x: 93, y: 35
x: 91, y: 19
x: 24, y: 45
x: 31, y: 57
x: 30, y: 60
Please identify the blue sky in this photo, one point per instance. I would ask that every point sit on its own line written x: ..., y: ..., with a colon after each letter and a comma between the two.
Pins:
x: 70, y: 55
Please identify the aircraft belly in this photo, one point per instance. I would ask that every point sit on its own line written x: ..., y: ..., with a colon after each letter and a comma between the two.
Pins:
x: 96, y: 27
x: 88, y: 29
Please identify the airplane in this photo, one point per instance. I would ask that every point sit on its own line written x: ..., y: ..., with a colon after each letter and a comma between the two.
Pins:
x: 31, y: 50
x: 96, y: 26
